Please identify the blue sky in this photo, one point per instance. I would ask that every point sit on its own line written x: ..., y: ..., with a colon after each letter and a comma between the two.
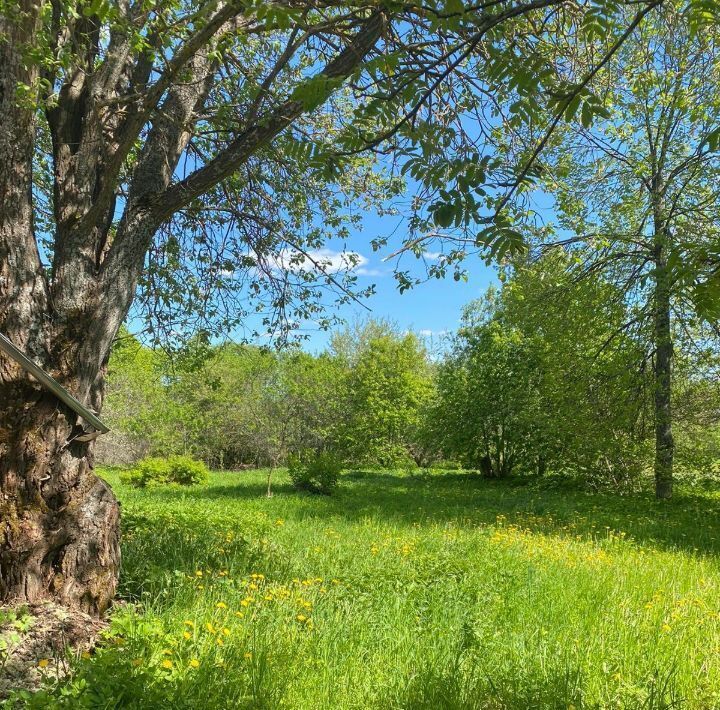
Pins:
x: 431, y: 309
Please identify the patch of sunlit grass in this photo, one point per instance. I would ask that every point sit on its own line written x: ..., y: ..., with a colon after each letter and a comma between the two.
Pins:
x: 408, y: 592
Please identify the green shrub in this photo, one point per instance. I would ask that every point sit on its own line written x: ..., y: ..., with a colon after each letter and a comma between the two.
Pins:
x: 181, y: 470
x: 187, y: 471
x: 314, y: 472
x: 148, y: 472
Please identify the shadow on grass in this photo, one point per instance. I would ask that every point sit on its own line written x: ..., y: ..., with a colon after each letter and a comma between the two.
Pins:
x: 690, y: 521
x: 557, y: 687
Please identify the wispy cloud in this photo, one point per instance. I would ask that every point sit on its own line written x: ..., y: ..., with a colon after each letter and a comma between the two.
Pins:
x: 363, y: 271
x: 432, y: 255
x: 329, y: 260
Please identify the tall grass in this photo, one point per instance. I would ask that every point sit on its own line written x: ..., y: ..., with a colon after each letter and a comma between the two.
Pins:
x: 430, y: 592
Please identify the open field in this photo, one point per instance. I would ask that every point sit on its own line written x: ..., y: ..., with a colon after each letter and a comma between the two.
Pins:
x: 441, y: 591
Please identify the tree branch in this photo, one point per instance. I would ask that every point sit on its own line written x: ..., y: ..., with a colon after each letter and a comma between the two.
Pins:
x: 164, y: 204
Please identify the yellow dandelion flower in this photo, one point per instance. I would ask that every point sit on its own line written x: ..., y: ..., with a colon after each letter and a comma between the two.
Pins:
x: 191, y: 624
x: 194, y: 663
x: 226, y: 631
x: 221, y: 605
x: 244, y: 602
x: 248, y: 655
x: 43, y: 663
x: 279, y: 522
x: 239, y: 614
x: 220, y: 642
x: 167, y: 663
x: 199, y: 573
x: 210, y: 627
x: 666, y: 627
x: 301, y: 617
x: 187, y: 635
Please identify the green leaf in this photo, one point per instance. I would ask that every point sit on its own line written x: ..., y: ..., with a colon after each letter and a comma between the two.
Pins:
x: 443, y: 214
x: 572, y: 107
x: 586, y: 116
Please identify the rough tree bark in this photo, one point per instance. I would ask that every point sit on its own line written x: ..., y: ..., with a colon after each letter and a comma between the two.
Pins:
x: 59, y: 523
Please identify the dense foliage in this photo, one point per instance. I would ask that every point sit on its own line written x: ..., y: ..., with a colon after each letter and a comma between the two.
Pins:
x: 542, y: 377
x: 241, y: 405
x: 635, y: 198
x: 314, y: 472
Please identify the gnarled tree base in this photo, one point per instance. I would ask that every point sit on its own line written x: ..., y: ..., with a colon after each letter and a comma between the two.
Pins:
x: 59, y: 522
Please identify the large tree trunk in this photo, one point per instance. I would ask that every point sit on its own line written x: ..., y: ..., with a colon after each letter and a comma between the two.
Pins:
x: 59, y: 537
x: 664, y: 444
x: 59, y: 524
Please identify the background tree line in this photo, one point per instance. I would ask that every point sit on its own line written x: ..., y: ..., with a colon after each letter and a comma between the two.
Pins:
x: 236, y: 405
x: 541, y: 377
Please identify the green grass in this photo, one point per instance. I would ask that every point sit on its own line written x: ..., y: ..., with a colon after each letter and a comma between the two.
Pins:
x: 434, y: 592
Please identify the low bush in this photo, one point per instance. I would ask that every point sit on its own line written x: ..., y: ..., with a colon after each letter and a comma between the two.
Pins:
x: 181, y: 470
x: 314, y: 472
x: 187, y: 471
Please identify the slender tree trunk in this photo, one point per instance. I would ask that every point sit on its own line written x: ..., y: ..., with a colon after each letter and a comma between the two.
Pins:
x: 541, y: 465
x: 664, y: 444
x: 58, y: 521
x: 269, y: 480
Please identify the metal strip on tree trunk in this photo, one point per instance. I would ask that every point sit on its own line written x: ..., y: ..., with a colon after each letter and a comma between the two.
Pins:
x: 55, y: 387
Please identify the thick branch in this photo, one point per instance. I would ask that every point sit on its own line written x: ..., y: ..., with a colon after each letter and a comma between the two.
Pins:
x: 249, y: 141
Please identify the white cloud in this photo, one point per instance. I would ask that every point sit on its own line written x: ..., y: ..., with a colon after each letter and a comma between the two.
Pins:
x: 426, y: 333
x: 362, y: 271
x: 329, y: 260
x: 432, y: 255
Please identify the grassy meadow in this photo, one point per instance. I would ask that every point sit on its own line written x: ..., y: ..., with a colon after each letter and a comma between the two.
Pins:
x: 426, y: 591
